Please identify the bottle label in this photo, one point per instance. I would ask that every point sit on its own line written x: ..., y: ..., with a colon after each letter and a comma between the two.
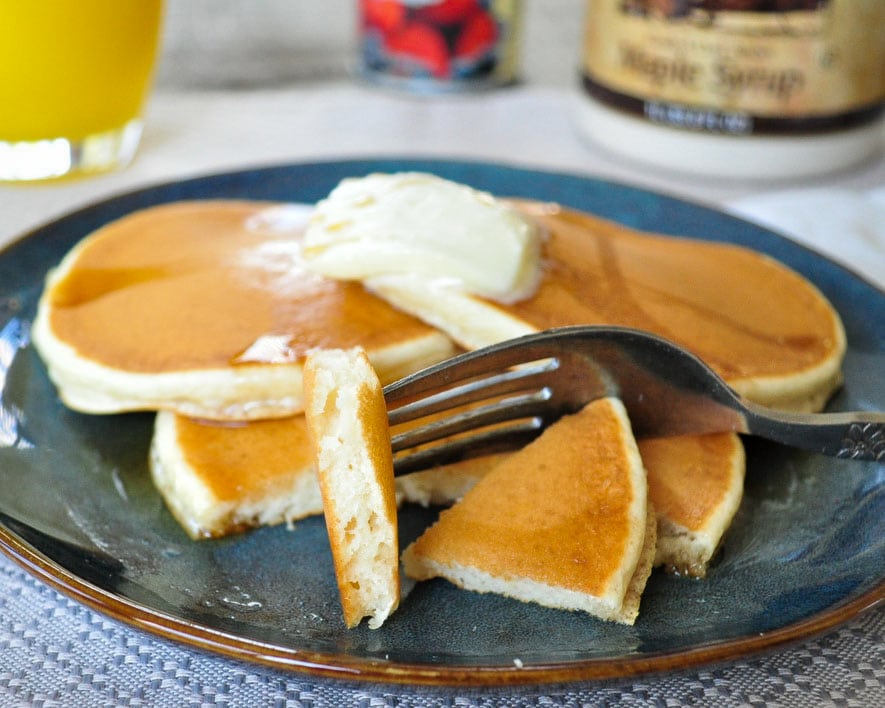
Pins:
x: 739, y: 66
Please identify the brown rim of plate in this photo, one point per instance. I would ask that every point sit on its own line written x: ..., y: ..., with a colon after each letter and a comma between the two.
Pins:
x: 367, y: 670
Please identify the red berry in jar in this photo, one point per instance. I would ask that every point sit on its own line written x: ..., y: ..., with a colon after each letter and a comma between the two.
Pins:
x: 418, y: 43
x: 447, y: 12
x: 384, y: 15
x: 477, y: 37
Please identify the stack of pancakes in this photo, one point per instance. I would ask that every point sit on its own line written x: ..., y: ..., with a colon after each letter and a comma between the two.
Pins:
x: 205, y: 312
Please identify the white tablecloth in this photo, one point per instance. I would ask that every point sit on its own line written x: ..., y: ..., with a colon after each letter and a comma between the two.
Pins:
x: 56, y: 652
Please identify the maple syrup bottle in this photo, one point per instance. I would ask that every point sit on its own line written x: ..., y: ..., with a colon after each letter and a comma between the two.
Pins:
x: 429, y: 46
x: 736, y: 88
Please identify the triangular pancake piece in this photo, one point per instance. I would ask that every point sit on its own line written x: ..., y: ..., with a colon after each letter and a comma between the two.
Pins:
x: 696, y: 483
x: 219, y: 478
x: 564, y: 522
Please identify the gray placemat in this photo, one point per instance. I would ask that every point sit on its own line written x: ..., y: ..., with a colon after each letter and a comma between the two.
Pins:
x: 56, y: 652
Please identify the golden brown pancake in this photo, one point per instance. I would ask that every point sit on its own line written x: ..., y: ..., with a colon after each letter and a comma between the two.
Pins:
x: 204, y: 308
x: 218, y: 478
x: 444, y: 486
x: 696, y: 484
x: 768, y: 331
x: 564, y: 522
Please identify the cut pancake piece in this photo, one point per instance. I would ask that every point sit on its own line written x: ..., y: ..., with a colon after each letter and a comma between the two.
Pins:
x: 565, y: 522
x: 768, y: 331
x: 204, y: 308
x: 696, y: 484
x: 219, y: 478
x: 347, y: 424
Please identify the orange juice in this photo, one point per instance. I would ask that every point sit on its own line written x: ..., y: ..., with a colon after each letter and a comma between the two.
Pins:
x: 74, y: 68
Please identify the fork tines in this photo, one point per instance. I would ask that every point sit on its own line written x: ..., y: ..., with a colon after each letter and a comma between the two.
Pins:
x: 467, y: 414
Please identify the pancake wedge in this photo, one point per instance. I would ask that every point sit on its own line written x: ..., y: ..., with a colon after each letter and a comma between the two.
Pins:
x: 565, y: 522
x: 204, y: 308
x: 218, y: 478
x: 446, y: 484
x: 347, y: 424
x: 768, y: 331
x: 696, y: 484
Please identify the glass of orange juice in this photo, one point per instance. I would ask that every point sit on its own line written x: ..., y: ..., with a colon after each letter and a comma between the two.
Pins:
x: 74, y: 80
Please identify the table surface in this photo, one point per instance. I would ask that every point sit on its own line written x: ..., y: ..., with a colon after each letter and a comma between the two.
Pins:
x: 54, y: 651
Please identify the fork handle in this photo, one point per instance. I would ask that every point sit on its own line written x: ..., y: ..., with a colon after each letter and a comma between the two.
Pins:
x: 857, y: 436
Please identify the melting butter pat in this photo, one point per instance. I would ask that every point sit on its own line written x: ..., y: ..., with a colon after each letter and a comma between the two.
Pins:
x: 421, y: 225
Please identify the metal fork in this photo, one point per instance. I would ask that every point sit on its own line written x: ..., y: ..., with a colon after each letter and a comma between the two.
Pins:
x: 500, y: 397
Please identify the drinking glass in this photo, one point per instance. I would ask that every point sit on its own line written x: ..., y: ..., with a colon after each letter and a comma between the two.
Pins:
x: 74, y: 79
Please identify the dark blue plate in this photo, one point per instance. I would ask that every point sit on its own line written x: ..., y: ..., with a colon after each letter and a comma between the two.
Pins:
x: 77, y: 508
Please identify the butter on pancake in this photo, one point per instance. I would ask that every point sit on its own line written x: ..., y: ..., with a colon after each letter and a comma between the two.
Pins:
x: 696, y: 484
x: 768, y: 331
x: 205, y: 308
x: 346, y: 420
x: 428, y: 228
x: 565, y: 522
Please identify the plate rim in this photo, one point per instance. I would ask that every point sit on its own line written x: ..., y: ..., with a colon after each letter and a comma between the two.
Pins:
x: 366, y: 669
x: 325, y: 665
